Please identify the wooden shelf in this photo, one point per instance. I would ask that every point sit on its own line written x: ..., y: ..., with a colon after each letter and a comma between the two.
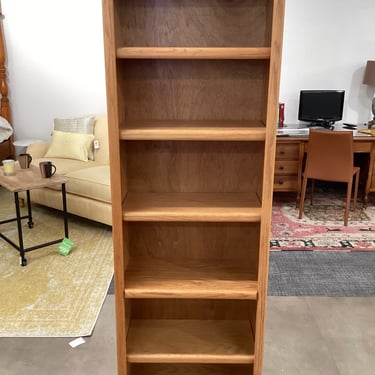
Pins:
x: 190, y: 341
x: 213, y: 207
x: 194, y: 369
x: 155, y: 278
x: 194, y: 130
x: 237, y: 53
x: 192, y: 90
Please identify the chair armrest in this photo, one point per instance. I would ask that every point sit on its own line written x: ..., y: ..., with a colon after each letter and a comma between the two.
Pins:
x: 38, y: 149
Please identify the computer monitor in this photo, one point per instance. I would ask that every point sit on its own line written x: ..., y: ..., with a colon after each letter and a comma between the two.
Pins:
x: 321, y: 107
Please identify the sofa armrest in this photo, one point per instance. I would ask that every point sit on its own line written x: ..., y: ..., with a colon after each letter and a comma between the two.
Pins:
x: 38, y: 149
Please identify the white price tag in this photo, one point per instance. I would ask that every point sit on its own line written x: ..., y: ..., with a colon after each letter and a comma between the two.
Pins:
x: 77, y: 342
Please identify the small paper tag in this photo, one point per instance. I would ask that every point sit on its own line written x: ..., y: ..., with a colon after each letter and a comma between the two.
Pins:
x: 77, y: 342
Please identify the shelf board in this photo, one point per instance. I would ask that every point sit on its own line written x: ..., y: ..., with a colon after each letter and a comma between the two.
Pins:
x: 155, y: 278
x: 190, y: 369
x: 201, y: 207
x: 194, y: 130
x: 234, y: 53
x: 190, y: 341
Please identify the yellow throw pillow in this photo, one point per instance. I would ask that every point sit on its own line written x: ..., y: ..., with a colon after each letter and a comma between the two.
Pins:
x: 84, y: 125
x: 69, y: 145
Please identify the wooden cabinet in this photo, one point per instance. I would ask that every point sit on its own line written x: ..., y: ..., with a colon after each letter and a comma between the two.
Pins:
x: 370, y: 182
x: 192, y: 93
x: 288, y: 166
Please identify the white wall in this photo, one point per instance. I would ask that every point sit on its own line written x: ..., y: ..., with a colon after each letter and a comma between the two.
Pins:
x: 55, y: 62
x: 326, y: 46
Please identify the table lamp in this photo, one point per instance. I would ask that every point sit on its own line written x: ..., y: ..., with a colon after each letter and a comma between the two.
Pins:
x: 369, y: 79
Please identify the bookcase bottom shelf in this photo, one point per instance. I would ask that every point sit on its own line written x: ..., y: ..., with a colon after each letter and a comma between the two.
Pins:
x: 186, y: 369
x: 190, y: 341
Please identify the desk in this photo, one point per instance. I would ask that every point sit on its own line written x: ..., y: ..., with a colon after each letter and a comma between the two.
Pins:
x: 26, y: 180
x: 290, y: 151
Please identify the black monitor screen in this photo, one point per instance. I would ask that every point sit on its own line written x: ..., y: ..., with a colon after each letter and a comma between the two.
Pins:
x: 321, y: 106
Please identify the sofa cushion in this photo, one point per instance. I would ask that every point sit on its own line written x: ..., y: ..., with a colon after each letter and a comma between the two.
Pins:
x: 91, y: 182
x: 84, y: 125
x: 69, y: 145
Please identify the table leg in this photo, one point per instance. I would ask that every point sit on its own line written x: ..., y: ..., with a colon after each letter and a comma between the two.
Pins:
x: 30, y: 223
x: 65, y: 212
x: 23, y: 260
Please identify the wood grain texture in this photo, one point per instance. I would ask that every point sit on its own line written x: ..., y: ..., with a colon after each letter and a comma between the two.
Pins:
x: 190, y: 341
x: 118, y: 181
x: 4, y: 101
x: 196, y: 309
x: 191, y: 23
x: 178, y: 242
x: 174, y: 53
x: 167, y: 166
x: 193, y: 89
x: 193, y: 130
x: 276, y: 12
x: 29, y: 179
x: 155, y: 278
x: 214, y: 207
x: 6, y: 147
x: 192, y: 191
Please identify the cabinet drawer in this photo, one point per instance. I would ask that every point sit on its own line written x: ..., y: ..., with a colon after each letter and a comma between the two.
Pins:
x: 286, y: 167
x: 285, y: 183
x: 287, y: 151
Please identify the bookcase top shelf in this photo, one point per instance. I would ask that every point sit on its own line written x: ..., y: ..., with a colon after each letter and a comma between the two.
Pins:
x: 236, y: 53
x: 194, y: 130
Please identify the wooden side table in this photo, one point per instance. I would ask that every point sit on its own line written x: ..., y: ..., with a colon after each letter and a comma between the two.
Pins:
x: 26, y: 180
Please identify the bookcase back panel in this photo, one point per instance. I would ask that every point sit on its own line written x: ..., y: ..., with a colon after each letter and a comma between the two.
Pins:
x: 192, y: 23
x: 179, y: 166
x: 179, y: 242
x: 193, y: 90
x: 193, y: 309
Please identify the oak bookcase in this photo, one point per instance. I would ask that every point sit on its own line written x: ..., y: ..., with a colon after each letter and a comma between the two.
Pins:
x: 192, y: 96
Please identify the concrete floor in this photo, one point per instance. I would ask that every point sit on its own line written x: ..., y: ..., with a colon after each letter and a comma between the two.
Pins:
x: 304, y: 335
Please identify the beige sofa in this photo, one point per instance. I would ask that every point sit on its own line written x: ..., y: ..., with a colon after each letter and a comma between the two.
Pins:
x: 88, y: 186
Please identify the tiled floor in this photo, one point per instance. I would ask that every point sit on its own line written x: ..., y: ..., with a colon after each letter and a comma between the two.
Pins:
x: 304, y: 336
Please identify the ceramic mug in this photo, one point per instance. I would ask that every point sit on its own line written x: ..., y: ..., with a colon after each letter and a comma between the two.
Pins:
x: 9, y: 167
x: 47, y: 169
x: 24, y: 160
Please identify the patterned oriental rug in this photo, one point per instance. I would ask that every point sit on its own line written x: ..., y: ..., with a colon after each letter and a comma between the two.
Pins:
x: 54, y: 295
x: 322, y: 226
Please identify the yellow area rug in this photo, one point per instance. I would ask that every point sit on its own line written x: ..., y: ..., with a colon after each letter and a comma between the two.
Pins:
x: 54, y: 295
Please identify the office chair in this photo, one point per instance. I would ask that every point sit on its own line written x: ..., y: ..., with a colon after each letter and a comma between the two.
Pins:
x: 330, y: 158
